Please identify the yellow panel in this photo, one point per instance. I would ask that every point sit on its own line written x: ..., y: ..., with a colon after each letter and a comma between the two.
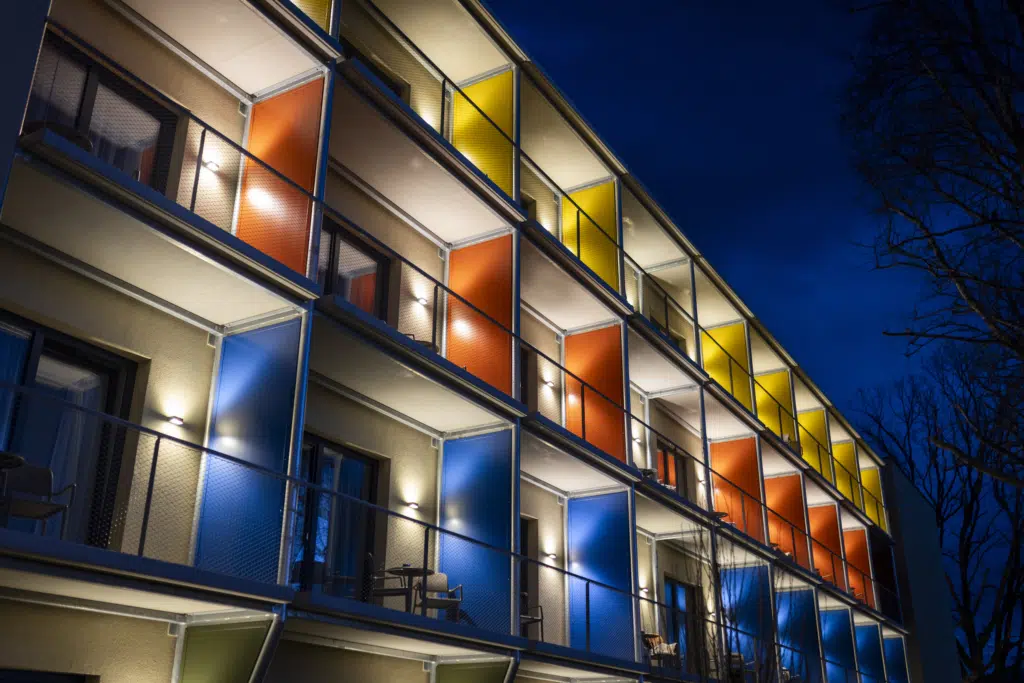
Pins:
x: 813, y: 437
x: 598, y: 238
x: 873, y: 496
x: 477, y: 138
x: 726, y: 360
x: 317, y: 10
x: 774, y: 397
x: 845, y: 454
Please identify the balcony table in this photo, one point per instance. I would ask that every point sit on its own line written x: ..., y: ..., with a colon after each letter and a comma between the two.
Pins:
x: 408, y: 573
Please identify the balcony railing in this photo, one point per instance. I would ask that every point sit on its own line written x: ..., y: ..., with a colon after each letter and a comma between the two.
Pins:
x: 132, y: 127
x: 82, y: 477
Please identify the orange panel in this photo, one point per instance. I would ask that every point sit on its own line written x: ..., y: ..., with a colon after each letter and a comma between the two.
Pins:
x: 482, y: 274
x: 859, y: 570
x: 786, y: 528
x: 596, y: 358
x: 737, y: 484
x: 824, y: 521
x: 284, y: 133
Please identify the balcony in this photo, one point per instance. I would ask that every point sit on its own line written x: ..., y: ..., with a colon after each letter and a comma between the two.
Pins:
x: 435, y: 62
x: 175, y: 173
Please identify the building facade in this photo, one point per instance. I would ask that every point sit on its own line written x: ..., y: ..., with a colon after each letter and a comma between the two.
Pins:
x: 339, y: 347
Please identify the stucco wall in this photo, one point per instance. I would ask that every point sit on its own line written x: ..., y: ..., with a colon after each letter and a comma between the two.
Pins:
x: 295, y: 661
x: 175, y: 366
x: 543, y: 506
x: 116, y: 649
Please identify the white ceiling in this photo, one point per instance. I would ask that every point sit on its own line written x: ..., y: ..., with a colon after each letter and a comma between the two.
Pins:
x: 773, y: 462
x: 816, y: 495
x: 643, y: 237
x: 650, y: 370
x: 376, y: 375
x: 446, y: 34
x: 720, y: 421
x: 849, y: 521
x: 545, y: 671
x: 712, y: 306
x: 557, y: 468
x: 393, y: 164
x: 357, y: 636
x: 232, y: 37
x: 657, y: 519
x: 802, y: 396
x: 762, y: 356
x: 685, y: 405
x: 676, y: 280
x: 99, y: 592
x: 836, y: 431
x: 109, y: 239
x: 552, y: 145
x: 556, y: 294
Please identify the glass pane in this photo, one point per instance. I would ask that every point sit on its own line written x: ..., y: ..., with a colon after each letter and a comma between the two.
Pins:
x: 324, y: 262
x: 56, y: 90
x: 356, y: 277
x: 14, y: 344
x: 124, y: 135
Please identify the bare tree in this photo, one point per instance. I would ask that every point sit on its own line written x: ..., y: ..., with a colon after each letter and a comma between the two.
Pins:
x: 935, y: 112
x: 920, y: 423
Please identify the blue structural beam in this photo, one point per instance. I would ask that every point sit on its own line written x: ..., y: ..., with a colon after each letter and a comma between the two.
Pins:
x: 476, y: 501
x: 601, y: 618
x: 239, y: 531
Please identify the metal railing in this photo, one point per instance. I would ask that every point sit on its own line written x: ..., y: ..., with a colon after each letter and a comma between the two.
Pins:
x: 94, y: 479
x: 208, y: 174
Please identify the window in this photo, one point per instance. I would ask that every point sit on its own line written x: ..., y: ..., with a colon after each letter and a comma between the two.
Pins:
x: 682, y: 625
x: 673, y: 468
x: 337, y: 544
x: 351, y: 269
x: 55, y: 426
x: 83, y: 101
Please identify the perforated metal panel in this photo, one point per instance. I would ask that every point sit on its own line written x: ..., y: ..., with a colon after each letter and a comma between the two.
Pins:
x: 485, y: 140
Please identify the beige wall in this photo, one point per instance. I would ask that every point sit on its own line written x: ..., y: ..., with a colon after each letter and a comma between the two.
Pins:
x: 645, y: 579
x: 295, y: 661
x: 406, y: 453
x: 116, y: 649
x: 549, y: 399
x: 175, y: 366
x: 638, y: 450
x: 543, y: 506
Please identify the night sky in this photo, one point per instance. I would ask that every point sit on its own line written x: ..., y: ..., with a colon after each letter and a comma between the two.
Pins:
x: 728, y: 112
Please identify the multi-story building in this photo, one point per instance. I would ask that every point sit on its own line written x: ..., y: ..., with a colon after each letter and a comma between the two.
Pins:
x: 340, y: 348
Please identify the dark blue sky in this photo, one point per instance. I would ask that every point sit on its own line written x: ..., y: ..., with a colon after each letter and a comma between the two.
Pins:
x: 728, y: 113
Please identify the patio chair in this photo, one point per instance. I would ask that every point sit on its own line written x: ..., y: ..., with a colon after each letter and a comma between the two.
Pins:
x: 377, y: 585
x: 434, y: 593
x: 660, y: 653
x: 38, y: 499
x: 528, y: 618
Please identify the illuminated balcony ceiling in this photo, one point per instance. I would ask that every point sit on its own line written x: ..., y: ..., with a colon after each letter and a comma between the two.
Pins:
x: 446, y: 34
x: 232, y: 37
x: 113, y: 241
x: 721, y: 423
x: 650, y: 370
x: 657, y: 519
x: 546, y: 671
x: 392, y: 163
x: 557, y: 295
x: 648, y: 244
x: 559, y: 469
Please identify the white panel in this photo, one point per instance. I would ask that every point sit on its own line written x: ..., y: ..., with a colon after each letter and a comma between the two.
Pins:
x: 652, y: 371
x: 557, y: 295
x: 557, y: 468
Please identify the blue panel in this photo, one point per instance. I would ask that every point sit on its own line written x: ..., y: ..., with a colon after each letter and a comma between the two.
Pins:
x: 869, y: 654
x: 747, y: 611
x: 837, y: 646
x: 476, y: 501
x: 240, y: 523
x: 600, y: 549
x: 895, y: 661
x: 797, y: 634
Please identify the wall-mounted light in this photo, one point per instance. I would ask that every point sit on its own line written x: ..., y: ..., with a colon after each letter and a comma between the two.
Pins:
x: 412, y: 505
x: 211, y: 165
x: 549, y: 383
x: 552, y: 556
x: 636, y: 439
x: 422, y: 301
x: 643, y: 590
x: 176, y: 421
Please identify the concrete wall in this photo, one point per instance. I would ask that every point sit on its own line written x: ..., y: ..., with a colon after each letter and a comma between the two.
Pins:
x: 115, y: 649
x: 924, y: 595
x: 549, y: 399
x: 645, y: 579
x: 175, y: 367
x: 543, y: 506
x: 408, y: 467
x: 295, y: 661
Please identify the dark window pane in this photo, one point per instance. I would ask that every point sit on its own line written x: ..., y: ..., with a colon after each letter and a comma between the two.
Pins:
x: 124, y: 135
x: 57, y: 89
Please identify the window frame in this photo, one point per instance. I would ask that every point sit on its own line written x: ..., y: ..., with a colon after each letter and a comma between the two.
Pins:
x: 337, y: 233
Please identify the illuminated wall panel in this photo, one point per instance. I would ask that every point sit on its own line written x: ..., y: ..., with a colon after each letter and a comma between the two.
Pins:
x: 855, y: 542
x: 869, y: 653
x: 482, y: 274
x: 845, y: 454
x: 837, y: 646
x: 598, y: 235
x: 895, y: 660
x: 737, y: 484
x: 826, y: 548
x: 774, y: 397
x: 797, y: 632
x: 725, y: 359
x: 284, y: 133
x: 813, y: 440
x: 481, y: 141
x: 786, y: 527
x: 873, y: 496
x: 596, y: 358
